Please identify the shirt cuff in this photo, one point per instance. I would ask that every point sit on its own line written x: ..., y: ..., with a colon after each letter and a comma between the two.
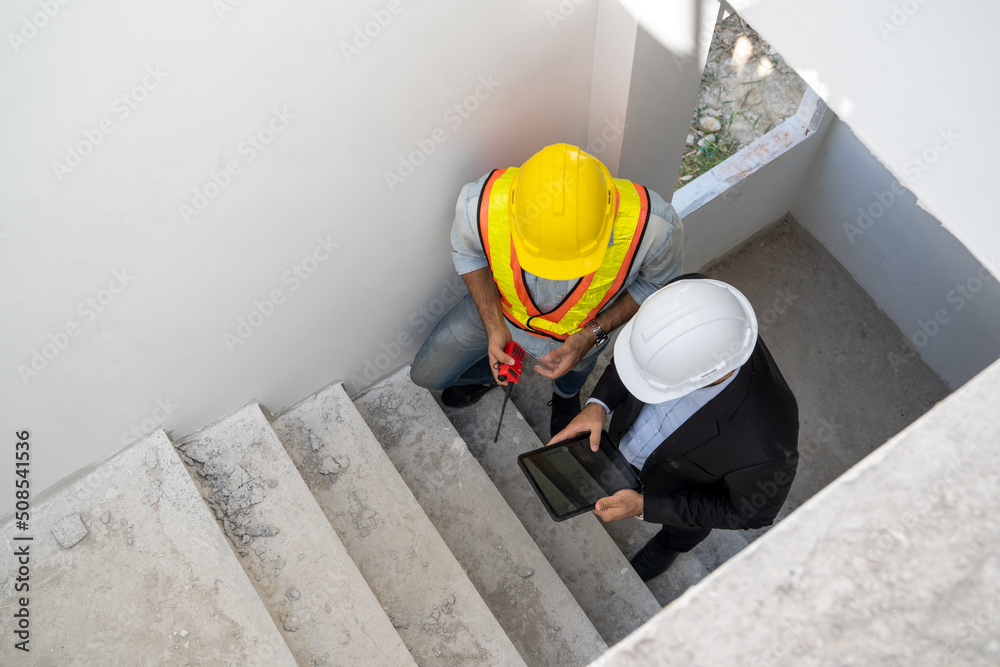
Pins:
x: 466, y: 264
x: 607, y: 410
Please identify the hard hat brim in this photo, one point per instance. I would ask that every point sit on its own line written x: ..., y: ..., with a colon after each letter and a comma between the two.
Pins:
x: 554, y: 269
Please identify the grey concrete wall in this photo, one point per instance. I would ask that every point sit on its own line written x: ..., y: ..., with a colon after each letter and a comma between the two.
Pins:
x: 943, y: 299
x: 895, y: 563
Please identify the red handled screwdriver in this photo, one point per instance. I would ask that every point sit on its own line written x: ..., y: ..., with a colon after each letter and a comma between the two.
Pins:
x: 509, y: 373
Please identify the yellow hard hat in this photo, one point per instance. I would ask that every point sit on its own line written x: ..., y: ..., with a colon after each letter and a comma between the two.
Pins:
x: 562, y: 209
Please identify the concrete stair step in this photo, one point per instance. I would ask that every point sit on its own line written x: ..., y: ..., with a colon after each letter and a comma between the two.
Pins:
x: 687, y: 570
x: 436, y: 610
x: 580, y: 550
x: 532, y: 604
x: 319, y: 601
x: 719, y: 547
x: 128, y: 567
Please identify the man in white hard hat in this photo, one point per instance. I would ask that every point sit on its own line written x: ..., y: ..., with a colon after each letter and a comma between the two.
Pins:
x: 701, y: 410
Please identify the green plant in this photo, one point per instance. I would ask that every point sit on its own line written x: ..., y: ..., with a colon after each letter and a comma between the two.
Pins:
x: 700, y: 159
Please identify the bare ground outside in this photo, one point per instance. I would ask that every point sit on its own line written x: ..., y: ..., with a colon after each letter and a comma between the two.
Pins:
x: 747, y: 89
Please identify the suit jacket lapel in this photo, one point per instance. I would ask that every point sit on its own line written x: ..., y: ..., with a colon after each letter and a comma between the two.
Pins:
x: 703, y: 425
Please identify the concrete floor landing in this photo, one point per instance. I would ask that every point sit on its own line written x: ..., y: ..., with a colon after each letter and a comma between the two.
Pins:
x: 841, y: 355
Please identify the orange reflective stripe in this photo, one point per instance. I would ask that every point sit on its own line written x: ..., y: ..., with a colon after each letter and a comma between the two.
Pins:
x: 571, y: 299
x: 484, y: 237
x: 484, y: 202
x: 495, y: 227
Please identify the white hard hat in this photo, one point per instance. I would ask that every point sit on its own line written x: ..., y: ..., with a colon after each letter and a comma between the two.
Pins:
x: 685, y: 336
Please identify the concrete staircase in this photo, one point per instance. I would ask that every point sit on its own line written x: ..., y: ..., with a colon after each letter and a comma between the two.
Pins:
x: 378, y: 531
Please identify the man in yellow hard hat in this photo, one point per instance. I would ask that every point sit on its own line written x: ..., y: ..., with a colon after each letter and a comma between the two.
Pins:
x: 556, y: 254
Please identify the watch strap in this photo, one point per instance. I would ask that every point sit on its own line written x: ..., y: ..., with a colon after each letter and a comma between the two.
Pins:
x: 602, y: 337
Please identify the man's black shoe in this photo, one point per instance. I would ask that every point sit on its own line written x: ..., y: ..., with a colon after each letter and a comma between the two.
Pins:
x: 563, y: 411
x: 466, y: 394
x: 653, y: 559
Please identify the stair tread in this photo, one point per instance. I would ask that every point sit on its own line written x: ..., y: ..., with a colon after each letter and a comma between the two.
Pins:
x: 525, y: 594
x: 297, y: 563
x: 157, y: 581
x: 687, y: 570
x: 580, y: 549
x: 432, y: 603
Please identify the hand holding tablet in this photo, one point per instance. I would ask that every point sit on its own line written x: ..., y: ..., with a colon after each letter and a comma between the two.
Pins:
x: 569, y: 478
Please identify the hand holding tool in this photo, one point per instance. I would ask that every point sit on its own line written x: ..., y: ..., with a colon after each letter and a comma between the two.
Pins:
x: 509, y: 373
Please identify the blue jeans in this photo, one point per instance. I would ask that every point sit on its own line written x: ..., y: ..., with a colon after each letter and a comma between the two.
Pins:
x: 455, y: 353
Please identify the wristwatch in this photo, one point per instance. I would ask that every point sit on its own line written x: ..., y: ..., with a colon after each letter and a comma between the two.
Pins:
x: 602, y: 337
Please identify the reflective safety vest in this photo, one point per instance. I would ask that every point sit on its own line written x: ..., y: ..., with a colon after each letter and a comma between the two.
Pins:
x: 591, y: 292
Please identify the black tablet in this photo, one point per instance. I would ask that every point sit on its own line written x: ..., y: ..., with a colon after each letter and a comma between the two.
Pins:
x: 570, y: 479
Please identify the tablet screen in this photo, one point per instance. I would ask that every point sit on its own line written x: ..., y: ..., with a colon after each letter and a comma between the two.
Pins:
x: 570, y: 478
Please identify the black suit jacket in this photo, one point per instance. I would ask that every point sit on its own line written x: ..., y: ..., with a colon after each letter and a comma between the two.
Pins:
x: 730, y: 465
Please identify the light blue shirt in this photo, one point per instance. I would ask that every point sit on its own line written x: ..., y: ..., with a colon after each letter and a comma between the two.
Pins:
x: 658, y: 421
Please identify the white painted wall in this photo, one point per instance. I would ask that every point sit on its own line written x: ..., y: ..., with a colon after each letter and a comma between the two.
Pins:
x: 614, y: 52
x: 916, y: 81
x: 665, y: 80
x: 155, y: 351
x: 944, y: 300
x: 883, y: 67
x: 886, y: 68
